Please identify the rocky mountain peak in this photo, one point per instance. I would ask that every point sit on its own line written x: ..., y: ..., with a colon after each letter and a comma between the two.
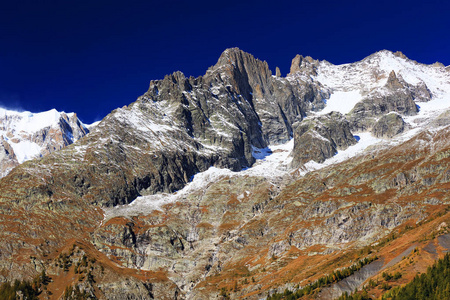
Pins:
x: 231, y: 55
x: 394, y: 82
x: 304, y: 64
x: 277, y: 72
x: 438, y: 65
x: 243, y: 71
x: 239, y: 59
x: 176, y: 77
x: 400, y: 54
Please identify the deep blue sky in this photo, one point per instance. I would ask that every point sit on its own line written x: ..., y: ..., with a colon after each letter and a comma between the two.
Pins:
x: 93, y: 56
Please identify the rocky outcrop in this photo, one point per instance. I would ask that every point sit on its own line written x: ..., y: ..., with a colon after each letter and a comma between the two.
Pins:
x: 277, y: 72
x: 131, y: 288
x: 305, y: 65
x: 395, y: 96
x: 442, y: 120
x: 394, y: 82
x: 8, y: 159
x: 388, y: 126
x: 68, y: 130
x: 420, y: 92
x: 319, y: 138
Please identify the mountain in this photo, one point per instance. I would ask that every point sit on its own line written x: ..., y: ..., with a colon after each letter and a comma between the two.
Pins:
x: 240, y: 183
x: 26, y: 135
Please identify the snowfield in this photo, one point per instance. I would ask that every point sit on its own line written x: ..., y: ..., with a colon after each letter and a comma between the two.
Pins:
x: 342, y: 102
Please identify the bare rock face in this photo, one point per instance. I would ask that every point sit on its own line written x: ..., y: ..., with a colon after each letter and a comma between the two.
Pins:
x: 8, y: 159
x: 68, y: 130
x: 304, y: 64
x: 312, y: 146
x: 319, y: 138
x: 131, y: 288
x: 237, y: 103
x: 394, y: 82
x: 395, y: 96
x: 388, y: 126
x: 443, y: 119
x: 400, y: 54
x: 277, y: 72
x: 277, y: 103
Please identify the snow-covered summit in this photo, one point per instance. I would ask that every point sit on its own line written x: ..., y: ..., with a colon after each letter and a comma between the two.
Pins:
x: 350, y: 83
x: 346, y: 86
x: 29, y: 122
x: 25, y: 135
x: 373, y: 71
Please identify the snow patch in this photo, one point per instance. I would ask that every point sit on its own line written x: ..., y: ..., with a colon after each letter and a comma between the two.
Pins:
x: 429, y: 111
x: 26, y: 150
x: 92, y: 125
x: 271, y: 162
x: 342, y: 101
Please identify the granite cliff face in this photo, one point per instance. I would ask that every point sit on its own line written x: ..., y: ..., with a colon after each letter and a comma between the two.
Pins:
x: 234, y: 184
x: 320, y: 138
x: 395, y: 96
x: 237, y: 104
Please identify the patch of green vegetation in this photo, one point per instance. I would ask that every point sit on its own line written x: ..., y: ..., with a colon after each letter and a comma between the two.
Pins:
x: 432, y: 285
x: 224, y: 293
x: 362, y: 296
x: 74, y: 293
x: 24, y: 289
x: 323, y: 281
